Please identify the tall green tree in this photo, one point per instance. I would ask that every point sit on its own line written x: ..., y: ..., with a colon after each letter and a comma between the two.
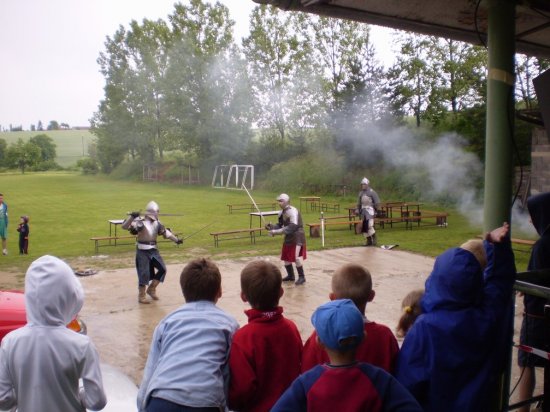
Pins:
x: 277, y: 52
x: 22, y: 155
x: 46, y: 145
x: 412, y: 77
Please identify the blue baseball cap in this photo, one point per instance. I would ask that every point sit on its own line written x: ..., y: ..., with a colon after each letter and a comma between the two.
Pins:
x: 338, y: 320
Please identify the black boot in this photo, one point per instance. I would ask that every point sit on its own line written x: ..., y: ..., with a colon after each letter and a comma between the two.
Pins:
x: 301, y: 277
x: 373, y: 237
x: 290, y: 274
x: 368, y: 241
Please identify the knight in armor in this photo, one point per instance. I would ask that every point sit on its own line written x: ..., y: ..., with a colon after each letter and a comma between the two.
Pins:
x: 150, y: 267
x: 294, y: 245
x: 367, y: 204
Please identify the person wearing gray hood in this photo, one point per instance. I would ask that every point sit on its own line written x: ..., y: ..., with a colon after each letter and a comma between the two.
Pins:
x: 42, y: 362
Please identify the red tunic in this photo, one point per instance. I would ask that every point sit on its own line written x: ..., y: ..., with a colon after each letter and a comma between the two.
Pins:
x: 264, y: 360
x: 379, y: 348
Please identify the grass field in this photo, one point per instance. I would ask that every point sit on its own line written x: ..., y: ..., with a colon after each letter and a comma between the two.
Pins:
x: 72, y: 145
x: 67, y: 209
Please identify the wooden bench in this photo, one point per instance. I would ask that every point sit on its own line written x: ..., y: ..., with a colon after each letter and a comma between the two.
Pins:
x: 333, y: 207
x: 236, y: 234
x: 440, y: 218
x: 110, y: 239
x: 250, y: 206
x: 314, y: 228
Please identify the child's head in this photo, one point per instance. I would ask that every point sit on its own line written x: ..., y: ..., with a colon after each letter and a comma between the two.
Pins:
x: 261, y: 285
x: 24, y: 219
x: 476, y: 248
x: 353, y: 282
x: 53, y: 294
x: 411, y: 309
x: 200, y: 279
x: 339, y: 325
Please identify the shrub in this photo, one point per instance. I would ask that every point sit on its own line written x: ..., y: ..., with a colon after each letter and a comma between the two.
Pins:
x: 88, y: 165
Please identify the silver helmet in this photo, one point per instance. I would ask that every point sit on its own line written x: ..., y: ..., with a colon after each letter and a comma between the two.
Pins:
x: 284, y: 199
x: 152, y: 209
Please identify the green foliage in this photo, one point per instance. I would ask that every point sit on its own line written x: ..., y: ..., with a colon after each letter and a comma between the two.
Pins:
x: 307, y: 173
x: 22, y: 155
x: 46, y: 145
x: 88, y: 165
x: 3, y: 149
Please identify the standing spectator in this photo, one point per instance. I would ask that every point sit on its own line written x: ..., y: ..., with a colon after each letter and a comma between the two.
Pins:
x: 42, y: 362
x: 534, y: 326
x: 294, y: 245
x: 344, y: 384
x: 150, y: 267
x: 379, y: 347
x: 23, y: 229
x: 450, y: 359
x: 367, y: 205
x: 265, y: 353
x: 187, y: 368
x: 3, y: 224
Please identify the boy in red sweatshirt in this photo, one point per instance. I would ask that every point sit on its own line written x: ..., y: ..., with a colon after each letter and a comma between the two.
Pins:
x: 265, y: 354
x: 379, y: 348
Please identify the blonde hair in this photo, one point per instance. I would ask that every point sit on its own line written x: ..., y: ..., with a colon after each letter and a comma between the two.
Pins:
x: 353, y: 282
x: 476, y: 248
x: 411, y: 309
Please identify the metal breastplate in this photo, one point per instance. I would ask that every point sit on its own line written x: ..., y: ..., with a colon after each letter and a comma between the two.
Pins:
x: 149, y: 232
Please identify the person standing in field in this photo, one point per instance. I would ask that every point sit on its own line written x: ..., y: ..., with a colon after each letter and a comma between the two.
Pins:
x: 23, y: 229
x: 367, y: 204
x: 294, y: 245
x: 3, y: 224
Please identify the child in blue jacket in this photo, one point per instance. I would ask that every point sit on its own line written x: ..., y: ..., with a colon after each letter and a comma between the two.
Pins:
x: 451, y: 356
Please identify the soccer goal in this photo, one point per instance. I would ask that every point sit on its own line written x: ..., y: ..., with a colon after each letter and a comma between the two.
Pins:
x: 233, y: 177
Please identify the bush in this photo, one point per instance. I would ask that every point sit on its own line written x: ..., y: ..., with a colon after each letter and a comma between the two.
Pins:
x: 45, y: 165
x: 88, y: 165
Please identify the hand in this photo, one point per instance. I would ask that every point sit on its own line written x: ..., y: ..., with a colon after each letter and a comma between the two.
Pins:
x: 179, y: 241
x: 499, y: 234
x: 134, y: 214
x: 270, y: 233
x: 269, y: 226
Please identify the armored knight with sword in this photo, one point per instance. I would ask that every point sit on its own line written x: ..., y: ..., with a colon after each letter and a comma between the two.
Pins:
x: 367, y: 205
x: 150, y: 267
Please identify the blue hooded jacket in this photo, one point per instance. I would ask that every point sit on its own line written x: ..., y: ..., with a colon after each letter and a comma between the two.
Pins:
x: 539, y: 210
x: 451, y: 356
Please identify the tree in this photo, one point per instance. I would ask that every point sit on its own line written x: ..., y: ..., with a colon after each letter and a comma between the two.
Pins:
x: 53, y: 125
x: 3, y: 149
x: 411, y: 77
x: 39, y: 126
x: 22, y: 155
x: 276, y: 56
x: 46, y: 145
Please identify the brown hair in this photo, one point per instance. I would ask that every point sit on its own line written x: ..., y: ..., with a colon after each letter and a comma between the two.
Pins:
x: 353, y: 282
x: 411, y: 309
x: 200, y: 279
x: 261, y: 284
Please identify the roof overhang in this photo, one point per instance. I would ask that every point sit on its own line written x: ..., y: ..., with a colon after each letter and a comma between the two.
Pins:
x: 463, y: 20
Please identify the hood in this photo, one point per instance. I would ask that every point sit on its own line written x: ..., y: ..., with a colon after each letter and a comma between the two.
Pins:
x: 53, y: 294
x: 456, y: 281
x: 539, y: 209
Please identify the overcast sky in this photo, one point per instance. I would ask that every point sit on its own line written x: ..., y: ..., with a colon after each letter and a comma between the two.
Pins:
x: 49, y: 50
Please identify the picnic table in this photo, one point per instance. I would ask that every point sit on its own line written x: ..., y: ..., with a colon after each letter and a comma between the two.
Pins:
x: 262, y: 215
x: 313, y: 201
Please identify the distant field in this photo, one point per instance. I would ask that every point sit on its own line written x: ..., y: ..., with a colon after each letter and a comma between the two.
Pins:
x: 72, y: 145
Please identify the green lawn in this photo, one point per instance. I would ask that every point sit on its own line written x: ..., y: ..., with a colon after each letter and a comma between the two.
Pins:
x: 71, y: 145
x: 67, y: 209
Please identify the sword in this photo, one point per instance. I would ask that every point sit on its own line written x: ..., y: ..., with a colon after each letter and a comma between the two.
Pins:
x: 158, y: 214
x: 201, y: 229
x: 255, y: 205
